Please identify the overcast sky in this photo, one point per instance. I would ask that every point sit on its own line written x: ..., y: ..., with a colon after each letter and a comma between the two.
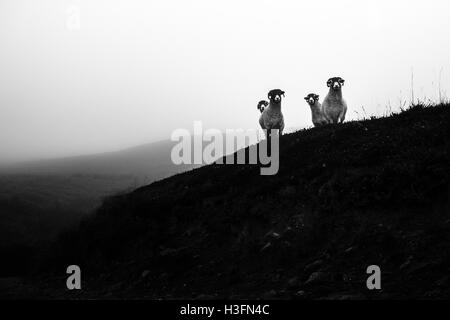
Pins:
x: 133, y: 71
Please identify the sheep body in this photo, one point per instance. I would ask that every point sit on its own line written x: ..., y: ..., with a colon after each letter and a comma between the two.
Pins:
x: 272, y: 117
x: 317, y: 114
x: 334, y: 106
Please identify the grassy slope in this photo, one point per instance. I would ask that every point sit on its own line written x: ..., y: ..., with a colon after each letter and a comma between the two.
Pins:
x: 35, y: 208
x: 39, y: 199
x: 346, y: 197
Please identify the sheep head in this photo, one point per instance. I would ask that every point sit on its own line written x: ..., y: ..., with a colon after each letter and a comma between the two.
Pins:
x: 336, y: 83
x: 275, y: 95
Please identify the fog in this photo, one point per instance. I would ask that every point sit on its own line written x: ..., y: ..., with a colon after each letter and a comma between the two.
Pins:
x: 90, y: 76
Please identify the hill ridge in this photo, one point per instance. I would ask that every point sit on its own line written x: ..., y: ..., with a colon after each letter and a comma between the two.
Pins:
x: 346, y: 197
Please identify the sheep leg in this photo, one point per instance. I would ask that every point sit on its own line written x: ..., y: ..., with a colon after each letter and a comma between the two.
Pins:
x: 327, y: 118
x: 342, y: 116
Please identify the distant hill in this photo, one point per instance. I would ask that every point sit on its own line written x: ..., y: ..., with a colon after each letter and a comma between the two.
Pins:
x: 39, y: 199
x: 146, y: 163
x: 372, y: 192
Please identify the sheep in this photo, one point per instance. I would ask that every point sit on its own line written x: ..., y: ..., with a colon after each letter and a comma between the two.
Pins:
x: 318, y: 117
x: 334, y: 106
x: 272, y: 118
x: 262, y: 105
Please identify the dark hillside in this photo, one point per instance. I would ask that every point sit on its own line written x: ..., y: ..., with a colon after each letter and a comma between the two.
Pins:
x: 346, y: 197
x: 39, y: 199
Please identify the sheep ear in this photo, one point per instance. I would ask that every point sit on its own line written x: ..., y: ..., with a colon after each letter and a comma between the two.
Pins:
x: 306, y: 98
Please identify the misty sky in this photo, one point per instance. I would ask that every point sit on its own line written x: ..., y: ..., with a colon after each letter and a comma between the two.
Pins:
x: 136, y: 70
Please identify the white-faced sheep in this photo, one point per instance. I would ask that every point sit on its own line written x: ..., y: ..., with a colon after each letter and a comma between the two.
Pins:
x: 318, y: 117
x: 334, y: 106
